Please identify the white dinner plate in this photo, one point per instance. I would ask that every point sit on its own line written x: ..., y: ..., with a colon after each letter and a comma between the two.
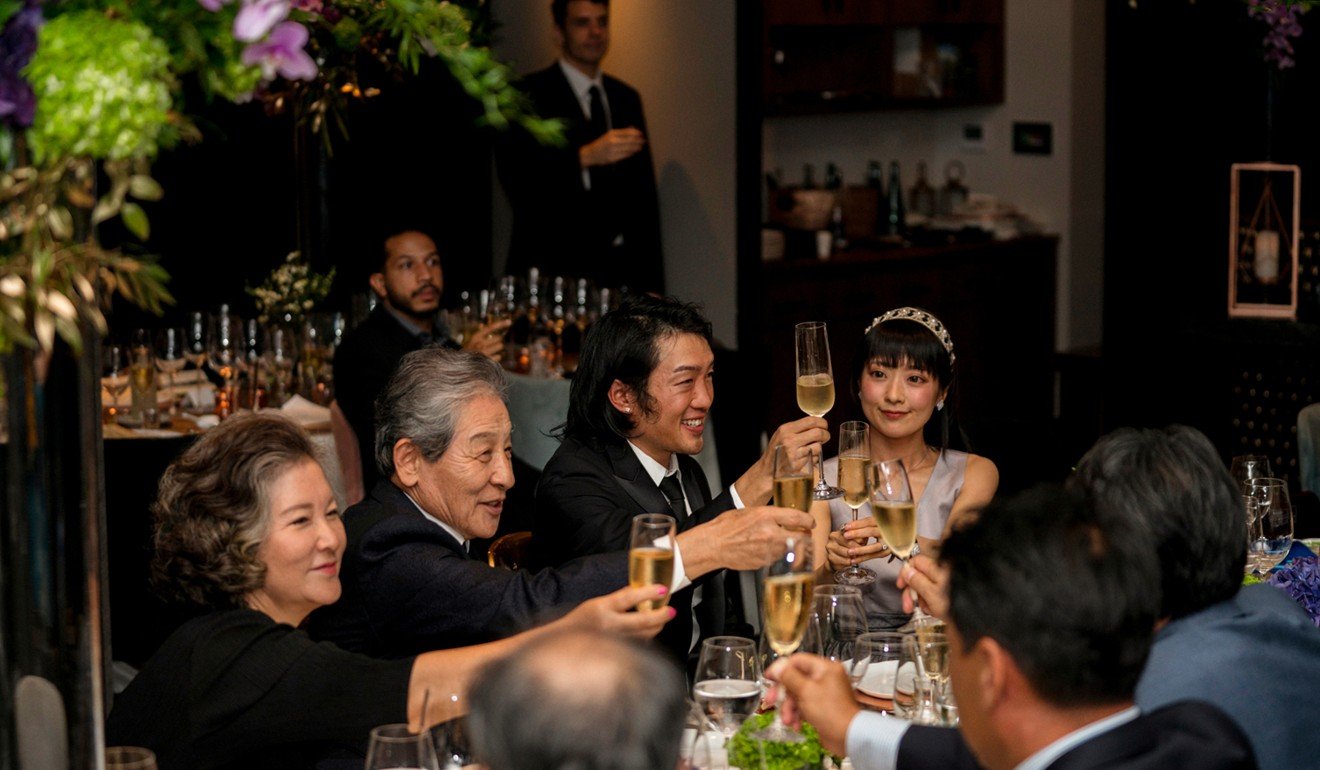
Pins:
x: 878, y: 681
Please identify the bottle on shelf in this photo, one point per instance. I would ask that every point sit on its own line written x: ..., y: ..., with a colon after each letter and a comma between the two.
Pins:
x: 808, y: 177
x: 954, y: 193
x: 875, y: 179
x: 833, y: 177
x: 839, y: 237
x: 896, y: 216
x: 922, y: 197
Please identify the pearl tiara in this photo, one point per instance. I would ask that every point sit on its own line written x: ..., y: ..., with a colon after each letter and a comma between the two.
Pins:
x: 922, y: 317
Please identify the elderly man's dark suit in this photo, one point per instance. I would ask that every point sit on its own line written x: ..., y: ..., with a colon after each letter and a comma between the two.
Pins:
x: 364, y: 363
x: 409, y: 586
x: 561, y: 226
x: 585, y: 502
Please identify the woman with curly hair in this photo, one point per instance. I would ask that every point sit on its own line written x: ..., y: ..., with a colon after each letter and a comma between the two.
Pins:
x: 247, y: 526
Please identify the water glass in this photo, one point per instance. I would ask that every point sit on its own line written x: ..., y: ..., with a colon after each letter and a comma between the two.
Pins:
x: 1275, y: 515
x: 838, y: 619
x: 884, y: 672
x: 728, y: 682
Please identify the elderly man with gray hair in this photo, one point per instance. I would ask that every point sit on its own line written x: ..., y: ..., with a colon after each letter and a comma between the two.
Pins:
x: 443, y: 449
x: 609, y: 704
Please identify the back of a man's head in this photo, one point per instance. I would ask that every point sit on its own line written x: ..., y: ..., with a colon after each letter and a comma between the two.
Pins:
x: 579, y: 701
x: 1174, y: 479
x: 1066, y: 589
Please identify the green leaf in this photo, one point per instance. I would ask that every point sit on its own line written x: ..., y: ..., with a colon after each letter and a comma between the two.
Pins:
x: 135, y: 219
x: 145, y: 188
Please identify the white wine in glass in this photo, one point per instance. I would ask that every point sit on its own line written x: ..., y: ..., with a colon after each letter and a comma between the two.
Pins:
x: 651, y: 555
x: 786, y: 606
x: 815, y: 382
x: 792, y: 479
x: 892, y: 507
x: 854, y: 459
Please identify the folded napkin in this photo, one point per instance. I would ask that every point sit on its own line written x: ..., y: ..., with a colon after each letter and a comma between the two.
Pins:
x: 307, y: 414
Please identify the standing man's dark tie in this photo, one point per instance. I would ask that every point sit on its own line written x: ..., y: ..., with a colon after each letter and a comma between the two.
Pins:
x: 598, y: 125
x: 672, y: 486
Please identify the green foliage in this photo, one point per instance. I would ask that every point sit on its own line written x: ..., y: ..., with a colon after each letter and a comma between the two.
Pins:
x: 745, y: 751
x: 102, y: 87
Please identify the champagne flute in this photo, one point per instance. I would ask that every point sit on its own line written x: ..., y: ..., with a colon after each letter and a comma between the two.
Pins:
x: 278, y: 358
x: 397, y: 747
x: 838, y: 619
x: 815, y: 382
x: 931, y: 653
x: 894, y: 511
x: 792, y: 479
x: 196, y: 338
x: 786, y: 606
x: 1276, y: 521
x: 223, y: 351
x: 651, y: 555
x: 142, y: 381
x: 252, y: 348
x: 1247, y: 468
x: 854, y: 457
x: 728, y: 682
x: 114, y: 373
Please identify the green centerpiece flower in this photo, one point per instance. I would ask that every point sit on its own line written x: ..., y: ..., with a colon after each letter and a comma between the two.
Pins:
x: 291, y: 289
x: 745, y: 751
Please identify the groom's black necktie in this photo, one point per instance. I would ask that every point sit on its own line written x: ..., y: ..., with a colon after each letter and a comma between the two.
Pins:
x: 672, y: 486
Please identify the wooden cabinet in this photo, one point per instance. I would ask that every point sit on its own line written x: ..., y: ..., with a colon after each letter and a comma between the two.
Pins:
x: 997, y: 300
x: 841, y: 55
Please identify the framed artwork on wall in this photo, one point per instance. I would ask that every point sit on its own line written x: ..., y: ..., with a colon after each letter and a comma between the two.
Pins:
x: 1264, y: 223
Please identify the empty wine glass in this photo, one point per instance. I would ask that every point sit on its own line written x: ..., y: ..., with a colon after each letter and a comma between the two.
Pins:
x: 129, y: 758
x: 171, y: 357
x: 883, y: 674
x: 815, y: 383
x: 196, y: 338
x: 1275, y: 515
x: 854, y: 457
x: 114, y: 373
x: 1251, y: 510
x: 728, y: 682
x: 393, y: 747
x: 223, y: 350
x: 838, y: 620
x: 251, y: 358
x: 1247, y: 468
x: 278, y: 359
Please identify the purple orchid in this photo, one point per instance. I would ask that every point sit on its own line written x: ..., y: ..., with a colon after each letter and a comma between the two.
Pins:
x: 258, y: 17
x: 18, y: 41
x: 1300, y: 579
x: 282, y: 53
x: 1282, y: 19
x: 213, y: 5
x: 310, y: 6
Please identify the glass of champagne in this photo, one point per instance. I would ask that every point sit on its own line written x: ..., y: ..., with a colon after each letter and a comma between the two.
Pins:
x: 786, y: 606
x: 792, y: 479
x: 728, y: 682
x: 894, y: 511
x: 651, y: 555
x: 397, y: 747
x: 815, y: 382
x: 931, y: 653
x: 1276, y: 521
x: 854, y: 457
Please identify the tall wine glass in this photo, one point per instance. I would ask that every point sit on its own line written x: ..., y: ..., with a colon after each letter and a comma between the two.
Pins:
x: 854, y: 457
x: 394, y: 747
x: 728, y: 682
x: 1247, y: 468
x: 932, y: 659
x: 223, y: 350
x: 651, y: 555
x: 884, y: 673
x: 196, y: 337
x: 278, y: 357
x: 114, y: 373
x: 171, y: 357
x: 815, y: 382
x: 1276, y: 521
x: 1251, y: 512
x: 252, y: 350
x: 894, y: 511
x: 786, y: 606
x: 838, y: 620
x: 792, y: 479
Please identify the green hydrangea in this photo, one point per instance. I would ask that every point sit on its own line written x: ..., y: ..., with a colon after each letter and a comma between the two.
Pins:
x: 102, y: 87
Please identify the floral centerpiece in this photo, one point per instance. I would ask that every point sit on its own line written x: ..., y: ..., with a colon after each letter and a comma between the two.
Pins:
x: 94, y: 87
x: 291, y: 290
x: 1300, y: 579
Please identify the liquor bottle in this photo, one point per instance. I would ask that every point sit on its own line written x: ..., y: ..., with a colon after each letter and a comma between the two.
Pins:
x: 808, y: 177
x: 836, y: 229
x: 833, y: 177
x: 895, y: 218
x: 922, y: 198
x: 876, y: 181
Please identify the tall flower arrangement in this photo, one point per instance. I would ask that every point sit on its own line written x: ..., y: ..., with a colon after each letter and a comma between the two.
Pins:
x: 91, y: 87
x: 1283, y: 20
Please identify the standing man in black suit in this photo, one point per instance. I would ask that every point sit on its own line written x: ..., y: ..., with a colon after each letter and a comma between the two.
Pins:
x: 1052, y: 606
x: 408, y: 281
x: 589, y: 208
x: 636, y: 416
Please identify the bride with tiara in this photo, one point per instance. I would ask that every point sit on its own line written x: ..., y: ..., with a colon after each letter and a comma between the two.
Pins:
x: 904, y: 377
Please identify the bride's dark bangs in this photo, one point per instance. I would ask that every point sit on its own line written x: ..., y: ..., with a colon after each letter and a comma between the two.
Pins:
x: 902, y: 342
